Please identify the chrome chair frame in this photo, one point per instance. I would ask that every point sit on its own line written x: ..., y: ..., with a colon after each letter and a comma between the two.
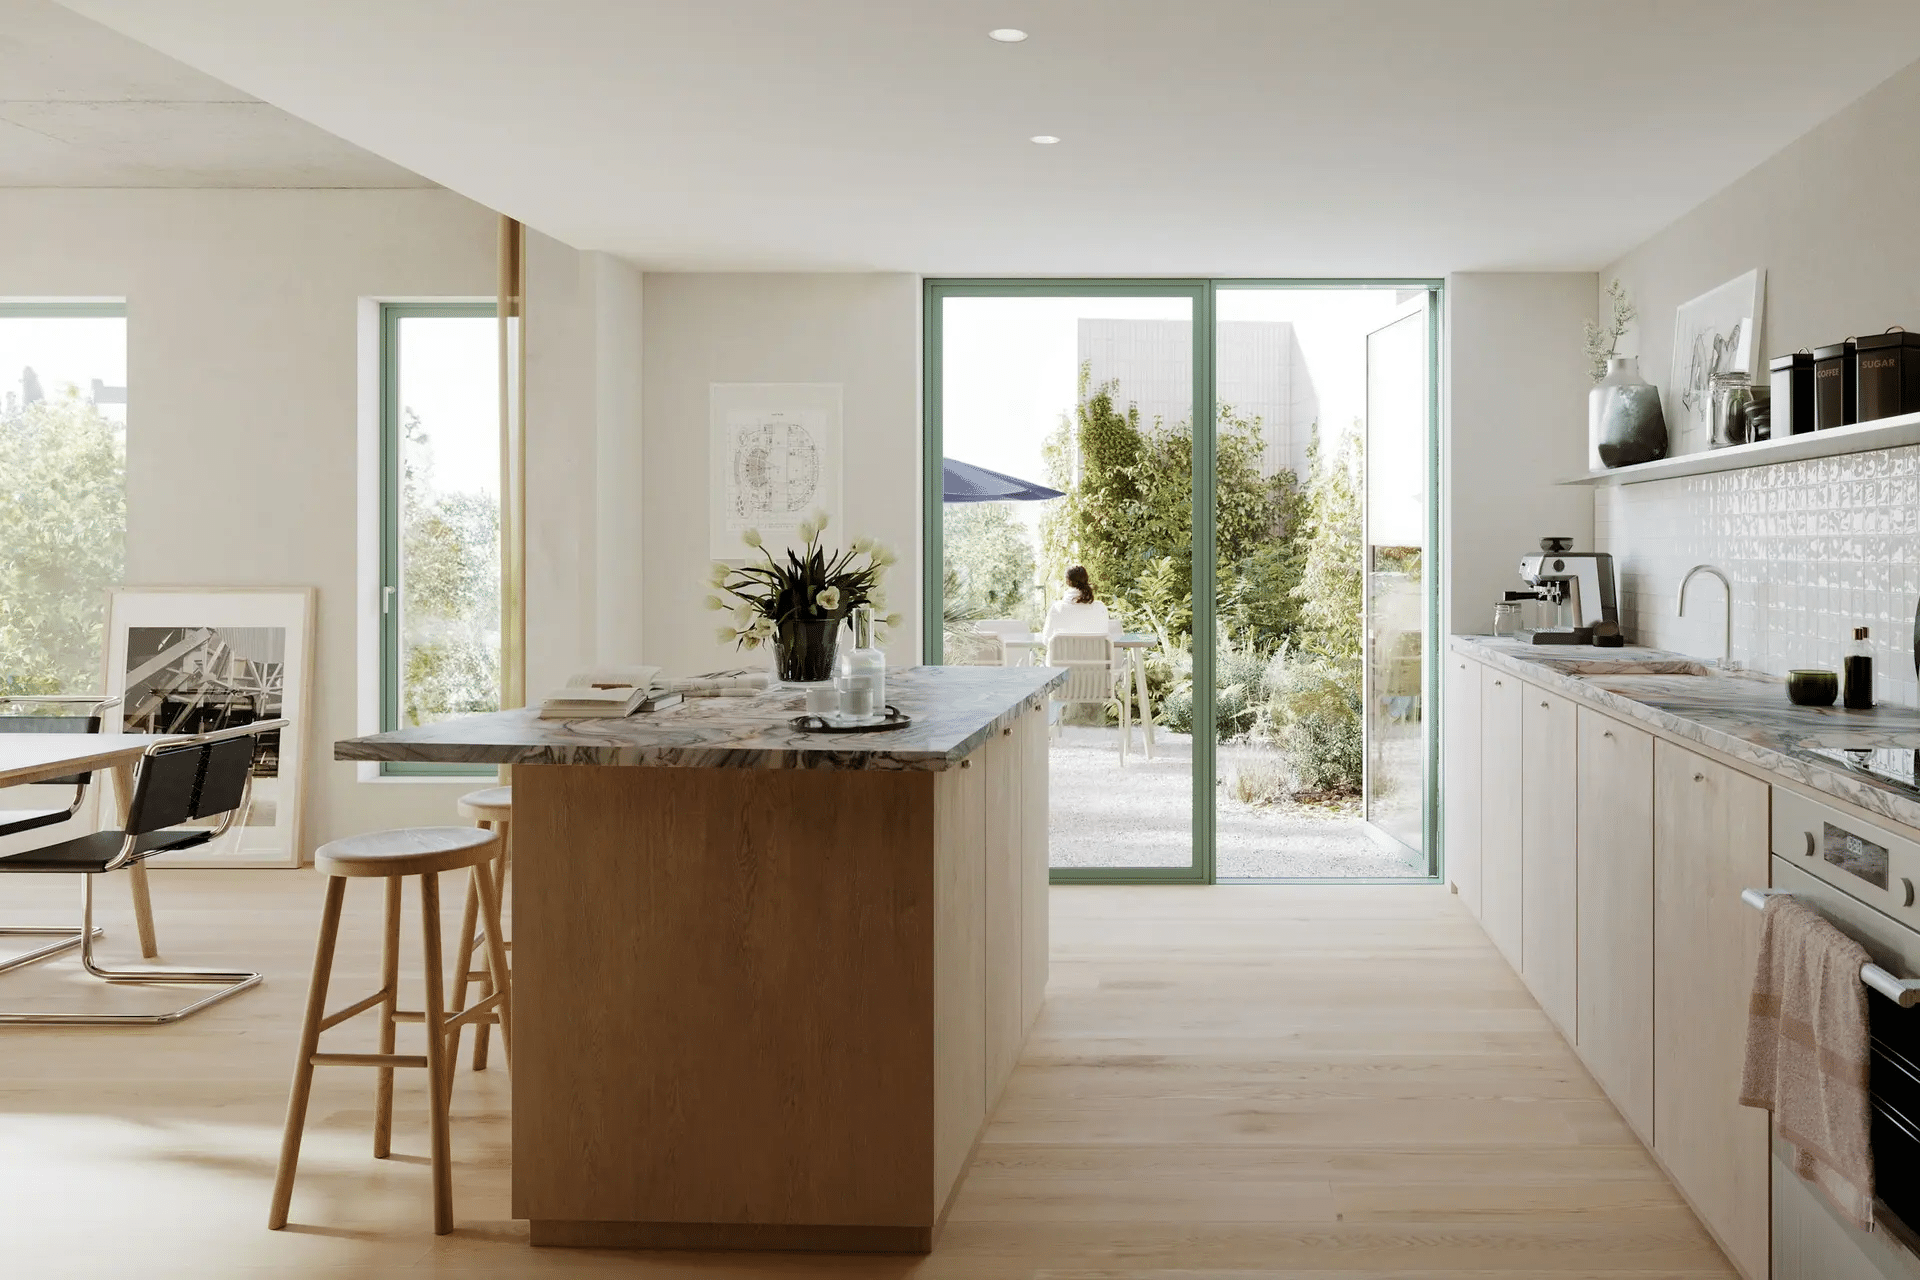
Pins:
x: 231, y: 981
x: 66, y: 937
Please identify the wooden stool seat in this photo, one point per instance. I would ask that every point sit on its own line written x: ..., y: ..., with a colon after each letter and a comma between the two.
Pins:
x: 414, y: 851
x: 392, y: 856
x: 490, y: 804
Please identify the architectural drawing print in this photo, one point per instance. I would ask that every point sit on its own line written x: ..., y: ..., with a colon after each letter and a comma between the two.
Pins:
x: 773, y: 460
x: 775, y: 470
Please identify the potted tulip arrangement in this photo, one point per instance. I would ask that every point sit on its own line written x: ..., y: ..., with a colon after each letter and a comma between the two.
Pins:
x: 797, y: 605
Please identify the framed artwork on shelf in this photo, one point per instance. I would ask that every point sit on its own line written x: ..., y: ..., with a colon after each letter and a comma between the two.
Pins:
x: 1717, y: 332
x: 196, y: 659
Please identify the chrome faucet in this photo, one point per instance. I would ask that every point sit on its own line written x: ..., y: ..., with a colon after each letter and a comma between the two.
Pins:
x: 1726, y: 642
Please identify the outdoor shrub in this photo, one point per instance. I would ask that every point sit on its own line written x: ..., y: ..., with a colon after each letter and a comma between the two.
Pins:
x: 1312, y: 714
x: 1258, y: 779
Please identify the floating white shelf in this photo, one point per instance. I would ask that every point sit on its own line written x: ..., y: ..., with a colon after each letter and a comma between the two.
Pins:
x: 1882, y: 433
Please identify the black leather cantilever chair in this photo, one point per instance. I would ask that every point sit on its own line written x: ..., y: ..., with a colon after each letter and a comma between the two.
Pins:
x: 90, y: 709
x: 178, y: 781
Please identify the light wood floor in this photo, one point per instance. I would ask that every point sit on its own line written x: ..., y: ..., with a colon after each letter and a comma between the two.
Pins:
x: 1234, y: 1083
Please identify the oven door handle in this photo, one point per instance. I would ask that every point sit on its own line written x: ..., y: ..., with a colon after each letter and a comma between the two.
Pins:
x: 1904, y: 992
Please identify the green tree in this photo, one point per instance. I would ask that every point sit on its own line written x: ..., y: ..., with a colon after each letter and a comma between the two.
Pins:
x: 1329, y: 591
x: 450, y: 593
x: 63, y: 533
x: 991, y: 555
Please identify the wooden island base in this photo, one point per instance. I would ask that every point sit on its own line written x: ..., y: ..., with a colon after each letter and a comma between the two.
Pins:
x: 769, y: 1008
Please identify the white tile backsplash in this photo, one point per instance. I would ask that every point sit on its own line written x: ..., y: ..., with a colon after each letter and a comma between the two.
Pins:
x: 1813, y: 549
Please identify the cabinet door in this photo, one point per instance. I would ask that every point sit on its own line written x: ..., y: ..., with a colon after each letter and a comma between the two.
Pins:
x: 1615, y: 902
x: 1500, y: 783
x: 1709, y: 842
x: 1003, y: 759
x: 1548, y: 873
x: 1462, y: 778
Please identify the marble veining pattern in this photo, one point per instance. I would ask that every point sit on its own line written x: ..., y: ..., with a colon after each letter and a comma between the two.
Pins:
x: 1814, y: 548
x: 954, y: 710
x: 1745, y: 715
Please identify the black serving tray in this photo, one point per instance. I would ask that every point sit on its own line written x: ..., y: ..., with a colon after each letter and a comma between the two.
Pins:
x: 893, y: 719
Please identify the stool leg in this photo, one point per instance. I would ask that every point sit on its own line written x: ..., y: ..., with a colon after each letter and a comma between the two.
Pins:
x: 483, y: 875
x: 463, y: 969
x: 390, y: 983
x: 497, y: 959
x: 438, y: 1068
x: 303, y: 1065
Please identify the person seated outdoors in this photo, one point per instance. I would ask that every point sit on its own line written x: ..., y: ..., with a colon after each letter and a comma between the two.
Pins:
x: 1079, y: 614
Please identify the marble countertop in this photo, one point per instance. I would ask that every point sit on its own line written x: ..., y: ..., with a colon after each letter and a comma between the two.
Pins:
x: 954, y: 710
x: 1745, y: 715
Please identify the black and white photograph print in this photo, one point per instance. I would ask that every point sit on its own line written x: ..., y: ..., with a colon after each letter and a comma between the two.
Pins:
x: 195, y: 661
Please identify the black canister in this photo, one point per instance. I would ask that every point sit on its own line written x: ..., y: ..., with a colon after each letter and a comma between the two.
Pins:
x: 1792, y: 393
x: 1834, y: 379
x: 1888, y: 374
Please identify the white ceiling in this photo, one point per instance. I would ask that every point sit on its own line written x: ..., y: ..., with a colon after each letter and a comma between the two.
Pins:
x: 1245, y: 137
x: 83, y: 106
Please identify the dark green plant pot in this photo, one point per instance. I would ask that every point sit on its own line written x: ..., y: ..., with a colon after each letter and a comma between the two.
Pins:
x: 804, y: 649
x: 1813, y: 688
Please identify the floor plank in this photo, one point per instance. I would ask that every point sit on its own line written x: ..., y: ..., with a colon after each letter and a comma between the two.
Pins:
x: 1256, y: 1083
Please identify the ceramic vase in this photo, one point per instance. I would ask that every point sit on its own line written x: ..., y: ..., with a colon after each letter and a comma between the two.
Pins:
x: 1625, y: 423
x: 804, y: 649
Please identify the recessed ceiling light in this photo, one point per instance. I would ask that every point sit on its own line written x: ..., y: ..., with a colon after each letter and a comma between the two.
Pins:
x: 1044, y: 139
x: 1007, y: 35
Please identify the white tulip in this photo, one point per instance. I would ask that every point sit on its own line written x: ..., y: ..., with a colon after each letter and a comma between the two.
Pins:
x: 751, y: 537
x: 714, y: 603
x: 828, y: 599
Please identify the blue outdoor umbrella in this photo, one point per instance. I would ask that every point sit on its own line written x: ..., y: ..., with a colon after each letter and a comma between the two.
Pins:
x: 967, y: 483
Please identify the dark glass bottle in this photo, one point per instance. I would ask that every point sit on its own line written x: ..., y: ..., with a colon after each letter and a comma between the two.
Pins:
x: 1857, y: 682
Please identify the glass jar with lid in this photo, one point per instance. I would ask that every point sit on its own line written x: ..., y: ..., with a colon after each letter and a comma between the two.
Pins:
x: 1731, y: 394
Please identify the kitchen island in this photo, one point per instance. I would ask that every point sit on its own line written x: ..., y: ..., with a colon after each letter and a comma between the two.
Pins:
x: 768, y: 984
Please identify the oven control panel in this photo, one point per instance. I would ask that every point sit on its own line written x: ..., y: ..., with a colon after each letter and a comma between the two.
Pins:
x: 1873, y: 864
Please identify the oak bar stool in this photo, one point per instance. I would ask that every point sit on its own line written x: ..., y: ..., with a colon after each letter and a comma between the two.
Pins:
x: 491, y: 808
x: 392, y: 856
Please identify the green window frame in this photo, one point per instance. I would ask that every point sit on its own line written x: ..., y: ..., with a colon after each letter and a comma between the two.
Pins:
x: 391, y: 316
x: 1203, y: 293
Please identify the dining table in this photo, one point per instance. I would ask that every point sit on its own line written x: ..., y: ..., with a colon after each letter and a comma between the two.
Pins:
x: 27, y: 758
x: 1132, y: 649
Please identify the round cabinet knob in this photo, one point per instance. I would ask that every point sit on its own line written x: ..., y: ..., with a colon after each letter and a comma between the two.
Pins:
x: 1699, y: 777
x: 1607, y: 734
x: 1810, y: 844
x: 1544, y: 707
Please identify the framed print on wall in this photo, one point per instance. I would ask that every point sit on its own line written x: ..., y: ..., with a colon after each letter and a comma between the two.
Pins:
x: 196, y: 659
x: 773, y: 459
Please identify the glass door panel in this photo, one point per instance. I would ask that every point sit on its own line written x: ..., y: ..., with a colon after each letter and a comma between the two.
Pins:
x: 1397, y: 643
x: 1312, y: 417
x: 1065, y: 428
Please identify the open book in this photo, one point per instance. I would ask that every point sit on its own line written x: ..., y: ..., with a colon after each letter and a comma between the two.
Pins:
x: 608, y: 692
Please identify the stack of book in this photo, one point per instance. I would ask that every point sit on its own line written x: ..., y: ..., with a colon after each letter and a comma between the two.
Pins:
x: 607, y: 693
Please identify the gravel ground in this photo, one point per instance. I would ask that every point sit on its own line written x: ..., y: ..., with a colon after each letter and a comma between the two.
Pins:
x: 1141, y: 816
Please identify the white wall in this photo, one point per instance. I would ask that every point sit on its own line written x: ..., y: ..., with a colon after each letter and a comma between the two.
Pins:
x: 584, y: 343
x: 862, y: 331
x: 244, y: 313
x: 1516, y: 420
x: 1815, y: 548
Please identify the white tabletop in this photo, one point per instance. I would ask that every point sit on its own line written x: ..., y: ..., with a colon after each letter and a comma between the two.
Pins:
x: 29, y: 757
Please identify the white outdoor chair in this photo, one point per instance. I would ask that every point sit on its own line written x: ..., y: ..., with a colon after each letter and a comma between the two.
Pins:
x: 1092, y: 665
x: 1013, y: 637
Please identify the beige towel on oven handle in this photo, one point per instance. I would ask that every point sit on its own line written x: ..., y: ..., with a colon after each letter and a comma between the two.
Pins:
x: 1808, y: 1052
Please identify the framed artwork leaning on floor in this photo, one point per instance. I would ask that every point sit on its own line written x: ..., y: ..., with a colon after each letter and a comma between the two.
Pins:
x: 196, y: 659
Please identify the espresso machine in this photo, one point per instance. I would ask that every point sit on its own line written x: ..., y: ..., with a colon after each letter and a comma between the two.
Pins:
x: 1578, y: 585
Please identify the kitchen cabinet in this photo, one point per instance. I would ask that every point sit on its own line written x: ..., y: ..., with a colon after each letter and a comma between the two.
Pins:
x: 1548, y: 875
x: 1614, y: 892
x: 1710, y: 838
x: 1501, y: 787
x: 1463, y: 778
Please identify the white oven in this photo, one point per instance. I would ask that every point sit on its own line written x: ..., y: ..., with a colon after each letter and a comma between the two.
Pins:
x: 1862, y: 878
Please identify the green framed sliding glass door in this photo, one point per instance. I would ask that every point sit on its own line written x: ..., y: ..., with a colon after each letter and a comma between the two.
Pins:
x: 1176, y: 420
